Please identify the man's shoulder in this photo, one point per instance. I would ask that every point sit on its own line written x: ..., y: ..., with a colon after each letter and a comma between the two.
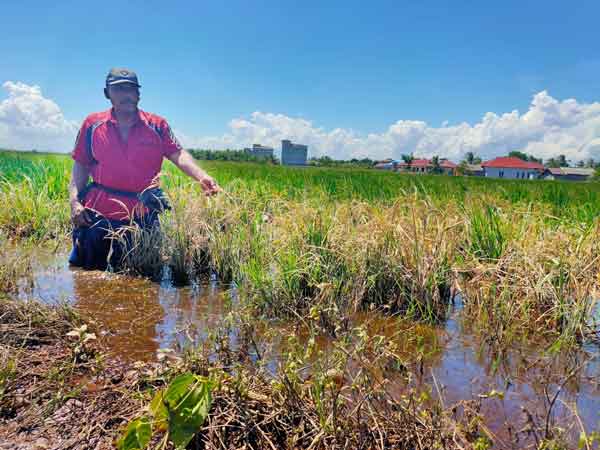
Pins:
x: 152, y: 118
x: 95, y: 117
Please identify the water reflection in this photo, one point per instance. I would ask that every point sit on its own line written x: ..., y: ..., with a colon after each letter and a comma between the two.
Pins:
x: 128, y: 311
x: 136, y: 316
x: 139, y: 317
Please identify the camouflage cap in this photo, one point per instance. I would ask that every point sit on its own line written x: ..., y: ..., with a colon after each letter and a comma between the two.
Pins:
x: 120, y: 75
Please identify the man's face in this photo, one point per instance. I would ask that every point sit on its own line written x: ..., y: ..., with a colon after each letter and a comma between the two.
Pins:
x: 124, y: 97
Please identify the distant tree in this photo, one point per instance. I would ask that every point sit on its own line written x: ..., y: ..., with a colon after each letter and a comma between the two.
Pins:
x: 562, y: 161
x: 435, y: 162
x: 518, y: 154
x: 228, y: 155
x: 322, y: 161
x: 589, y: 163
x: 471, y: 158
x: 327, y: 161
x: 524, y: 156
x: 581, y: 163
x: 408, y: 159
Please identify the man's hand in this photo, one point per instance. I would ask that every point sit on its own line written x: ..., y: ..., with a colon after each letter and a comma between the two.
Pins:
x: 209, y: 186
x: 185, y: 162
x: 79, y: 215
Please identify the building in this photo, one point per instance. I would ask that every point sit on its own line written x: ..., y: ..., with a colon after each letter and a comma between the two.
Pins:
x: 474, y: 170
x: 512, y: 168
x: 260, y: 151
x: 387, y: 164
x: 568, y: 173
x: 293, y: 154
x: 426, y: 166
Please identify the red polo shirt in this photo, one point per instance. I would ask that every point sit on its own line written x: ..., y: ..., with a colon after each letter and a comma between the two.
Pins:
x: 127, y: 166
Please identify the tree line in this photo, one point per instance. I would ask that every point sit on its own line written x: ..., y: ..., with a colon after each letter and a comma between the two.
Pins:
x: 242, y: 155
x: 470, y: 158
x: 230, y: 155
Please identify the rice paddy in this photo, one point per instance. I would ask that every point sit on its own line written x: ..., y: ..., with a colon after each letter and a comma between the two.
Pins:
x: 321, y: 248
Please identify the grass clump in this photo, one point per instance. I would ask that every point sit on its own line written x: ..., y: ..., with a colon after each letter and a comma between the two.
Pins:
x: 544, y: 285
x: 15, y: 267
x: 36, y: 191
x: 486, y: 233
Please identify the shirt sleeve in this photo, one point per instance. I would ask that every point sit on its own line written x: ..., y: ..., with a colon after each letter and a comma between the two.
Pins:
x: 170, y: 144
x: 80, y: 152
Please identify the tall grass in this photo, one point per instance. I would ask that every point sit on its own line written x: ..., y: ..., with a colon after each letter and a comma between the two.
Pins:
x: 327, y: 242
x: 34, y: 195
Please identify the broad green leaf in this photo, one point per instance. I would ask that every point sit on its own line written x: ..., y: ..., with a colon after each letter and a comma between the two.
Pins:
x: 178, y: 388
x: 136, y: 436
x: 187, y: 399
x: 159, y: 412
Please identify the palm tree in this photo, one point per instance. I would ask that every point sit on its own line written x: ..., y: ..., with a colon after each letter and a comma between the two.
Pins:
x: 435, y: 162
x: 471, y: 158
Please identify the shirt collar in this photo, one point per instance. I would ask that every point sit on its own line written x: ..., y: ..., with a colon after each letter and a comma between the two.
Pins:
x: 113, y: 117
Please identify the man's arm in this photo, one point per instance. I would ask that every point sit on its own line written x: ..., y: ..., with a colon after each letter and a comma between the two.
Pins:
x: 187, y: 164
x: 79, y: 178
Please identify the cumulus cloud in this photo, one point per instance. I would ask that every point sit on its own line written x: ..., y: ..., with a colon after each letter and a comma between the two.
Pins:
x: 28, y: 120
x: 548, y: 128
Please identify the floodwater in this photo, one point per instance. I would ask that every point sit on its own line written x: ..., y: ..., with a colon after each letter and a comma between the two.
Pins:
x: 138, y: 317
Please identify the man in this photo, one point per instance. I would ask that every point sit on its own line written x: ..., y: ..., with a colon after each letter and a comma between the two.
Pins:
x: 122, y: 149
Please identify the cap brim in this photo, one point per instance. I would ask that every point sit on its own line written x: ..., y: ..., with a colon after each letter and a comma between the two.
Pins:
x: 123, y: 81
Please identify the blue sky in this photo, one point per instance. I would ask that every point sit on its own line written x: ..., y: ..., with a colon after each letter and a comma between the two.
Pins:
x: 355, y: 66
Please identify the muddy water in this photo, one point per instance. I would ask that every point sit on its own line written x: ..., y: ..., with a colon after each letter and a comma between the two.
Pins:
x: 140, y: 317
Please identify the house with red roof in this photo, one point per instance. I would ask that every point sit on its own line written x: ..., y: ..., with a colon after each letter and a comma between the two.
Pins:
x: 511, y: 167
x: 426, y: 166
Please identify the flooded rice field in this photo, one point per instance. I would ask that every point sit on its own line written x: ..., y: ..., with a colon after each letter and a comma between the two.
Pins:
x: 140, y: 319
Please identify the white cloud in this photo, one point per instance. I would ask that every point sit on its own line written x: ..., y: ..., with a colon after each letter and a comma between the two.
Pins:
x: 548, y: 128
x: 28, y: 120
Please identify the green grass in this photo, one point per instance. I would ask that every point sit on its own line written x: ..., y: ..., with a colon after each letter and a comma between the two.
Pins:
x: 329, y: 241
x: 577, y: 201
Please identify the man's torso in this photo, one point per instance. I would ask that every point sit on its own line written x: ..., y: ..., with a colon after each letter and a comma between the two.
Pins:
x: 130, y: 164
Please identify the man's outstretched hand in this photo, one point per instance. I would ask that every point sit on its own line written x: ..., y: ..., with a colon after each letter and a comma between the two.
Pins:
x: 79, y: 215
x: 209, y: 186
x: 187, y: 164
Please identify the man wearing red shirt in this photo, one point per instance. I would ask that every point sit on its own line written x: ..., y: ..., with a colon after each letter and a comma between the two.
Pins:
x: 122, y: 149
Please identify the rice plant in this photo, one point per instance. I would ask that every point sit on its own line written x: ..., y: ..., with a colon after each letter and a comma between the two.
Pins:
x: 331, y: 241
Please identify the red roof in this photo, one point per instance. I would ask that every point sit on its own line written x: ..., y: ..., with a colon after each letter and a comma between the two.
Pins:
x: 448, y: 164
x: 509, y: 162
x: 420, y: 163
